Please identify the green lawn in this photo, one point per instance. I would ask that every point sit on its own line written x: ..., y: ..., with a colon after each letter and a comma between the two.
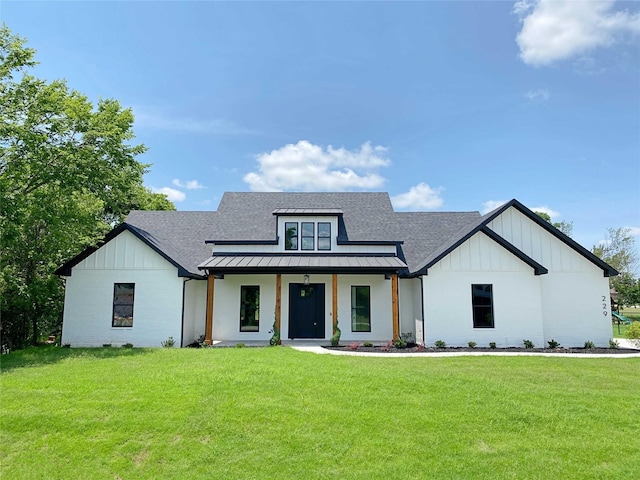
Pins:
x: 276, y: 413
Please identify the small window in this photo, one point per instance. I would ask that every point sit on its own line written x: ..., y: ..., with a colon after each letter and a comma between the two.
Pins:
x: 249, y: 308
x: 308, y: 235
x: 291, y: 236
x: 324, y: 236
x: 482, y: 304
x: 123, y: 304
x: 360, y: 309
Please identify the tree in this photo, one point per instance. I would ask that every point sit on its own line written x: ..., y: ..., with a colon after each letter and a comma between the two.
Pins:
x: 618, y: 250
x: 564, y: 227
x: 68, y: 173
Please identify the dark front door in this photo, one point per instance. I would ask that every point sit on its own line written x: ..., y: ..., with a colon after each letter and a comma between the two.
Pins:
x: 306, y: 310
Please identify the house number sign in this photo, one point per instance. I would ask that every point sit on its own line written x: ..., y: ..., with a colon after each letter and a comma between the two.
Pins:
x: 604, y: 306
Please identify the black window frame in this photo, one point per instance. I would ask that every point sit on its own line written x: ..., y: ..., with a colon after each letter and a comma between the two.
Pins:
x: 306, y: 236
x: 247, y: 327
x: 119, y: 303
x: 356, y: 309
x: 480, y: 306
x: 289, y: 239
x: 323, y: 237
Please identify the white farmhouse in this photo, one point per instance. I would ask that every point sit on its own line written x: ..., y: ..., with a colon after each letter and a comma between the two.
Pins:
x: 308, y: 262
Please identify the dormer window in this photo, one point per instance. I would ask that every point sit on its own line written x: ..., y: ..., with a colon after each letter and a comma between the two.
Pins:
x: 308, y: 235
x: 291, y: 236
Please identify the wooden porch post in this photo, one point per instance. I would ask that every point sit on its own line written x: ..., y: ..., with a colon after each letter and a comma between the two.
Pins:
x: 395, y: 311
x: 208, y: 329
x: 278, y: 301
x: 334, y: 302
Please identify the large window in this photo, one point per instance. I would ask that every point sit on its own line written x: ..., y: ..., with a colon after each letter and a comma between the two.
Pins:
x: 291, y: 236
x: 360, y: 309
x: 249, y: 308
x: 324, y: 236
x: 308, y: 235
x: 482, y: 303
x: 123, y: 304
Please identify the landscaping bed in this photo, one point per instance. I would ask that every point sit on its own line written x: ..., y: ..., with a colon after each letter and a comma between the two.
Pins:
x: 420, y: 349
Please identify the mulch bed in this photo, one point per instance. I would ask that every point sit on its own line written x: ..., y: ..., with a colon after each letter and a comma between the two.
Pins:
x: 417, y: 349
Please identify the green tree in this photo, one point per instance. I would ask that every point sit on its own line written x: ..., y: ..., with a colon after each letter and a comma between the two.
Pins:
x: 564, y: 227
x: 619, y: 251
x: 68, y: 173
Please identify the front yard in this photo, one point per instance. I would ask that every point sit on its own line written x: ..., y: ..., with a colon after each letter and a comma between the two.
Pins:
x: 279, y: 413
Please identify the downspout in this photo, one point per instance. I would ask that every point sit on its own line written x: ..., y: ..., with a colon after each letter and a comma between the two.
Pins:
x: 184, y: 292
x: 424, y: 335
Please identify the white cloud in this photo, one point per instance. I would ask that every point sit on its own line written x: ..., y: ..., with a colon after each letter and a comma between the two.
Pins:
x: 419, y: 197
x: 188, y: 184
x: 307, y: 167
x: 552, y: 213
x: 635, y: 231
x: 540, y: 95
x: 491, y: 205
x: 149, y: 118
x: 555, y: 30
x: 171, y: 193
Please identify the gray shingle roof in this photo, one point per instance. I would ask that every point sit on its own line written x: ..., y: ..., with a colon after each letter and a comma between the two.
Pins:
x: 422, y: 237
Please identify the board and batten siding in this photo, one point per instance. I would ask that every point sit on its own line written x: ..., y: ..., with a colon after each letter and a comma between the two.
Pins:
x: 517, y: 297
x: 88, y: 307
x: 576, y: 305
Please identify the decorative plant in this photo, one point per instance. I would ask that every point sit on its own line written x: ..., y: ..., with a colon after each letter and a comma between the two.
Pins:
x: 335, y: 338
x: 127, y: 345
x: 354, y: 346
x: 275, y: 337
x: 408, y: 337
x: 400, y: 343
x: 387, y: 346
x: 440, y: 344
x: 589, y: 344
x: 528, y: 344
x: 553, y: 344
x: 492, y: 345
x: 168, y: 343
x: 367, y: 344
x: 613, y: 344
x: 472, y: 344
x: 240, y: 345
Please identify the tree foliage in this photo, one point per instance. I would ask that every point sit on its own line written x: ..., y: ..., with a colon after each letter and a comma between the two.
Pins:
x: 564, y: 227
x: 68, y: 173
x: 619, y: 251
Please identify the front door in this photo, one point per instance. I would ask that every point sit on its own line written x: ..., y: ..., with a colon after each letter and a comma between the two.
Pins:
x: 306, y: 310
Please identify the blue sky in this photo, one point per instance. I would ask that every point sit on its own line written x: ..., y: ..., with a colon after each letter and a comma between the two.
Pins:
x: 445, y: 105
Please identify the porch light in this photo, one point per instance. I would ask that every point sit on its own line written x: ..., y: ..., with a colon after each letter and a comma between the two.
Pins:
x: 306, y: 279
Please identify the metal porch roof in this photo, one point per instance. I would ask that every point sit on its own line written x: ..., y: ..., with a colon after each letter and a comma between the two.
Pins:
x: 272, y: 263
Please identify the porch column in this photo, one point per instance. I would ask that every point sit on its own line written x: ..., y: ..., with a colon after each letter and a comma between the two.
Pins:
x: 334, y: 302
x: 278, y: 300
x: 395, y: 310
x: 208, y: 329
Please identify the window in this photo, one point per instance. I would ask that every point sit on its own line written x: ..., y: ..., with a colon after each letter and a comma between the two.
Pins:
x: 249, y: 308
x: 123, y: 304
x: 291, y: 236
x: 482, y: 304
x: 360, y: 309
x: 308, y: 235
x: 324, y: 236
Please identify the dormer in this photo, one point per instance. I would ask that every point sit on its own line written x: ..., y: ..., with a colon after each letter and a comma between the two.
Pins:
x: 307, y: 230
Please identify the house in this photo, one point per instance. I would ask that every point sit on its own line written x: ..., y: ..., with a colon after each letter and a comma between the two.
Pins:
x: 306, y: 262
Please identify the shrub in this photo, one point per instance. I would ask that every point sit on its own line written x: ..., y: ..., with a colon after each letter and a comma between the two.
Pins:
x: 633, y: 333
x: 440, y: 344
x: 353, y: 346
x: 400, y: 343
x: 168, y: 343
x: 106, y: 345
x: 275, y: 337
x: 387, y: 347
x: 240, y: 345
x: 420, y: 347
x: 492, y: 345
x: 408, y: 337
x: 589, y: 344
x: 472, y: 344
x: 127, y: 345
x: 367, y: 344
x: 613, y: 344
x: 528, y: 344
x: 553, y: 344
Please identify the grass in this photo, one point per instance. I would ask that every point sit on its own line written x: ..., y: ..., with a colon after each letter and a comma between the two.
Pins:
x: 279, y: 413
